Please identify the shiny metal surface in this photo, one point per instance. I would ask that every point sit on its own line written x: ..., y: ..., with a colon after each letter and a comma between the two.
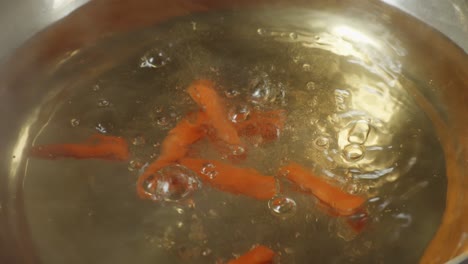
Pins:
x: 449, y: 17
x: 19, y: 20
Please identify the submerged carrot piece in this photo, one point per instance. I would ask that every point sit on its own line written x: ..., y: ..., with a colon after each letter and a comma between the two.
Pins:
x: 188, y: 131
x: 95, y: 147
x: 236, y: 180
x: 344, y: 204
x: 174, y: 147
x: 204, y: 94
x: 268, y: 125
x: 258, y: 255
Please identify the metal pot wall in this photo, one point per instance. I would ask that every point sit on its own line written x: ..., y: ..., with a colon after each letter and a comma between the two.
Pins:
x: 39, y: 33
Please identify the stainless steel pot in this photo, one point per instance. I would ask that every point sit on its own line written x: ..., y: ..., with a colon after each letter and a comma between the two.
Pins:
x: 83, y: 23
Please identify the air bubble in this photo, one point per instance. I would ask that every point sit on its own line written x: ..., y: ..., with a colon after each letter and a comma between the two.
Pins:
x: 353, y: 152
x: 359, y: 132
x: 172, y: 183
x: 179, y: 210
x: 231, y: 93
x: 101, y: 128
x: 296, y: 59
x: 261, y: 93
x: 322, y: 142
x: 391, y: 177
x: 403, y: 219
x: 261, y: 31
x: 134, y: 165
x: 238, y: 150
x: 282, y: 206
x: 209, y: 170
x: 239, y: 113
x: 310, y: 86
x: 163, y: 121
x: 103, y: 103
x: 158, y: 109
x: 75, y: 122
x: 306, y: 67
x: 293, y: 35
x: 138, y: 140
x: 206, y: 252
x: 154, y: 59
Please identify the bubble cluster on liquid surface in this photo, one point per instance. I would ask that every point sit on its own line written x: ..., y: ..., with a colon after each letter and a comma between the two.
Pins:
x: 154, y: 59
x: 172, y: 183
x: 209, y: 169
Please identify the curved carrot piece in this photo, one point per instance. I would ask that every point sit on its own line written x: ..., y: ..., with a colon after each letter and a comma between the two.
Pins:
x: 95, y: 147
x: 344, y: 204
x: 268, y: 125
x: 175, y: 146
x: 184, y: 134
x: 258, y: 255
x: 236, y: 180
x: 204, y: 94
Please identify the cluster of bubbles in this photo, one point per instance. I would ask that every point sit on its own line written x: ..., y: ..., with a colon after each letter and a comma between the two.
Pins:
x: 154, y: 59
x: 74, y: 122
x: 172, y: 183
x: 209, y: 170
x: 263, y: 91
x: 239, y: 113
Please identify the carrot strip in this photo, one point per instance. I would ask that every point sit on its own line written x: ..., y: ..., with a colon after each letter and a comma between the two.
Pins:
x: 258, y: 255
x: 175, y: 146
x: 236, y: 180
x: 185, y: 133
x: 344, y: 204
x: 268, y: 125
x: 95, y: 147
x: 204, y: 94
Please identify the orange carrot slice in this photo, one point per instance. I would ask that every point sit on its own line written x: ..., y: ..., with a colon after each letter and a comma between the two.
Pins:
x: 185, y: 133
x: 95, y: 147
x: 344, y: 204
x: 268, y: 125
x: 204, y: 94
x: 236, y: 180
x: 175, y: 146
x: 257, y: 255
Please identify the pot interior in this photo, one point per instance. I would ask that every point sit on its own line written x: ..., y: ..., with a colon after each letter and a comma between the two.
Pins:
x: 361, y: 111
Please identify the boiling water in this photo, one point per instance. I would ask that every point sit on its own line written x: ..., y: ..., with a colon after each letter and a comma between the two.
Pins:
x: 349, y: 117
